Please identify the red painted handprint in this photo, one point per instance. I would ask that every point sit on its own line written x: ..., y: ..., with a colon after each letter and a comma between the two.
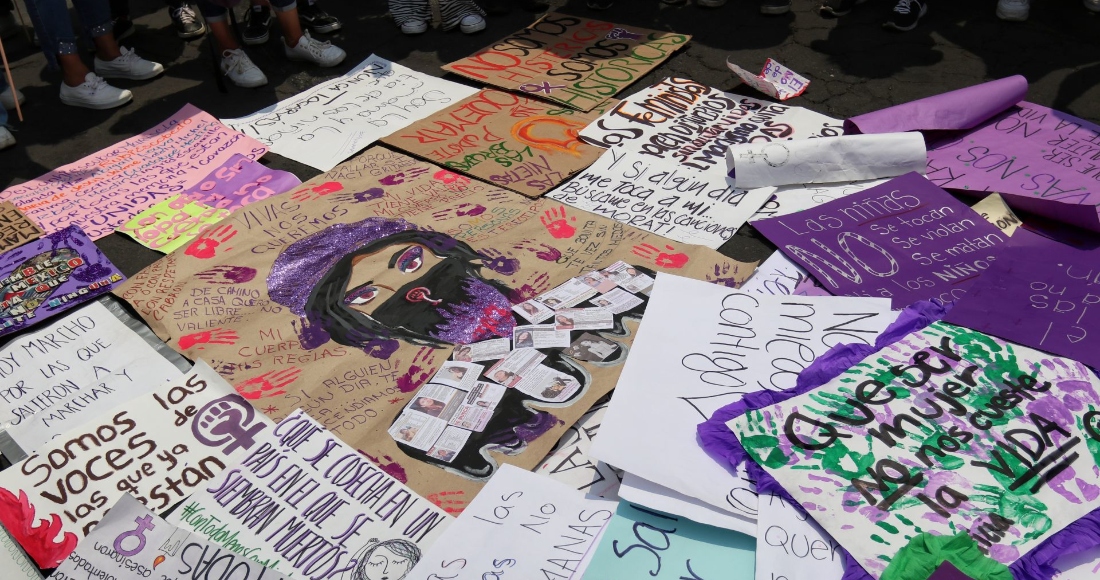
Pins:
x: 557, y: 223
x: 418, y: 375
x: 268, y: 384
x: 227, y: 275
x: 452, y: 180
x: 541, y: 251
x: 215, y: 336
x: 310, y: 193
x: 211, y: 242
x: 390, y: 466
x: 660, y: 258
x: 451, y: 502
x: 460, y: 210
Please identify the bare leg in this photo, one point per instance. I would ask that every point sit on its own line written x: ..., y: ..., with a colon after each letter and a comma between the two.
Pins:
x: 223, y: 36
x: 106, y: 48
x: 73, y: 70
x: 292, y: 29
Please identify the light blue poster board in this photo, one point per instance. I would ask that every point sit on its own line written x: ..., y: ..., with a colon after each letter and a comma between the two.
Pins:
x: 641, y: 543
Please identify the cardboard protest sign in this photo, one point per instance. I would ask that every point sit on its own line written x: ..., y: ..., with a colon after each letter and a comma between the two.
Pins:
x: 302, y: 484
x: 1040, y: 160
x: 133, y: 542
x: 238, y: 182
x: 996, y: 212
x: 788, y: 199
x: 792, y: 546
x: 693, y: 357
x: 292, y: 303
x: 507, y: 139
x: 575, y: 61
x: 522, y: 524
x: 1038, y: 293
x: 663, y: 196
x: 16, y: 228
x: 906, y: 239
x: 691, y: 550
x: 14, y: 562
x: 570, y: 464
x: 170, y: 224
x: 693, y: 124
x: 775, y: 80
x: 338, y: 118
x: 161, y: 447
x: 103, y: 190
x: 72, y: 371
x: 946, y: 431
x: 51, y: 275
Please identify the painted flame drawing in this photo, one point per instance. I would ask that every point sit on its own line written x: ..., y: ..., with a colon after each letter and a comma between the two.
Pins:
x: 43, y: 539
x: 158, y: 561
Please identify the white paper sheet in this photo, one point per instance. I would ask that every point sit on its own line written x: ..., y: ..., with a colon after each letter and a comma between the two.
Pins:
x: 519, y: 524
x: 831, y: 160
x: 132, y: 543
x: 662, y: 196
x: 791, y: 546
x: 570, y: 464
x: 775, y: 80
x: 313, y: 486
x: 14, y: 562
x: 72, y: 370
x: 787, y: 199
x: 694, y: 356
x: 995, y: 211
x: 334, y: 120
x: 644, y: 492
x: 779, y: 276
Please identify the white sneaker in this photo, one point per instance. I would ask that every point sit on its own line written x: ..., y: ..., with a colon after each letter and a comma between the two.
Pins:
x: 710, y: 3
x: 414, y: 27
x: 471, y: 24
x: 6, y: 138
x: 127, y: 66
x: 241, y: 70
x: 1093, y: 5
x: 7, y: 99
x: 315, y: 51
x: 1013, y: 10
x: 94, y: 93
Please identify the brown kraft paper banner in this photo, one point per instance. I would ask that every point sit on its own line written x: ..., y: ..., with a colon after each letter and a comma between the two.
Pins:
x: 16, y: 228
x: 270, y: 299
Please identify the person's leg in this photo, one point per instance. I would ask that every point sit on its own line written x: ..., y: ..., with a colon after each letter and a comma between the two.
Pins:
x: 1015, y: 10
x: 257, y: 23
x: 6, y: 138
x: 8, y: 23
x: 184, y: 19
x: 286, y: 11
x: 315, y: 19
x: 234, y: 63
x: 412, y: 16
x: 111, y: 61
x: 906, y: 15
x: 465, y: 14
x: 299, y: 46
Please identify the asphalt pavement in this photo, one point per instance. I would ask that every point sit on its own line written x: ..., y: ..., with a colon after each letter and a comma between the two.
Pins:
x: 854, y: 65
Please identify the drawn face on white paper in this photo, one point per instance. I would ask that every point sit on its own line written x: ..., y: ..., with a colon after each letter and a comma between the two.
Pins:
x: 386, y: 564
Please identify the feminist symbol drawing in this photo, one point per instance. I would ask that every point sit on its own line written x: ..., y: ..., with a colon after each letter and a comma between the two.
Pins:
x: 229, y: 419
x: 144, y: 524
x: 545, y: 87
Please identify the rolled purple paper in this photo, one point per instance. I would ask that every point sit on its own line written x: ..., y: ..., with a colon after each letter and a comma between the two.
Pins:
x: 957, y: 110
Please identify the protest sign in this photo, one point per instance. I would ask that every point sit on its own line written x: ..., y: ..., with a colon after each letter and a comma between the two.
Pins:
x: 693, y: 124
x: 50, y: 275
x: 662, y: 196
x: 723, y: 344
x: 788, y: 199
x: 996, y: 212
x: 643, y: 492
x: 570, y: 464
x: 336, y: 119
x: 831, y: 160
x: 906, y: 239
x: 14, y: 562
x: 302, y: 484
x: 72, y: 371
x: 105, y: 189
x: 245, y: 304
x: 689, y: 550
x: 171, y: 224
x: 161, y: 447
x: 1038, y: 293
x: 775, y: 80
x: 522, y: 525
x: 575, y: 61
x: 510, y: 140
x: 792, y: 546
x: 132, y: 542
x: 946, y: 431
x: 781, y: 277
x: 238, y: 182
x: 16, y: 228
x: 956, y: 110
x: 1040, y: 160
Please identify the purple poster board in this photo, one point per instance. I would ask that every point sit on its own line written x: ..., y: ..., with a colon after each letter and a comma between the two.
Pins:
x: 239, y: 182
x: 1039, y: 293
x: 51, y: 275
x: 1040, y: 160
x: 906, y: 240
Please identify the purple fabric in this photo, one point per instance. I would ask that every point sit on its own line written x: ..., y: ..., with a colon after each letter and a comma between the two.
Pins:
x: 905, y: 239
x: 956, y: 110
x: 948, y: 571
x: 240, y: 181
x: 1038, y: 293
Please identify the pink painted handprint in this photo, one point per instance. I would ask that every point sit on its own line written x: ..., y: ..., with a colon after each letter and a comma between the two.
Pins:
x: 211, y: 242
x: 659, y: 257
x: 268, y: 384
x: 214, y: 336
x: 557, y: 223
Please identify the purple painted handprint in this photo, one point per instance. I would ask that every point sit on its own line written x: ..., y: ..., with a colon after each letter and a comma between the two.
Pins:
x: 227, y: 275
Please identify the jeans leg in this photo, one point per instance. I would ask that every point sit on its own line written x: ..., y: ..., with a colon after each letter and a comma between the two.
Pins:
x: 55, y: 30
x: 95, y: 16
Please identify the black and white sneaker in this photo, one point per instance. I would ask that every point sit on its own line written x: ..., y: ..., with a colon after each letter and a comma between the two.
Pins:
x: 316, y: 19
x: 186, y: 21
x: 257, y: 25
x: 906, y: 15
x: 838, y: 7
